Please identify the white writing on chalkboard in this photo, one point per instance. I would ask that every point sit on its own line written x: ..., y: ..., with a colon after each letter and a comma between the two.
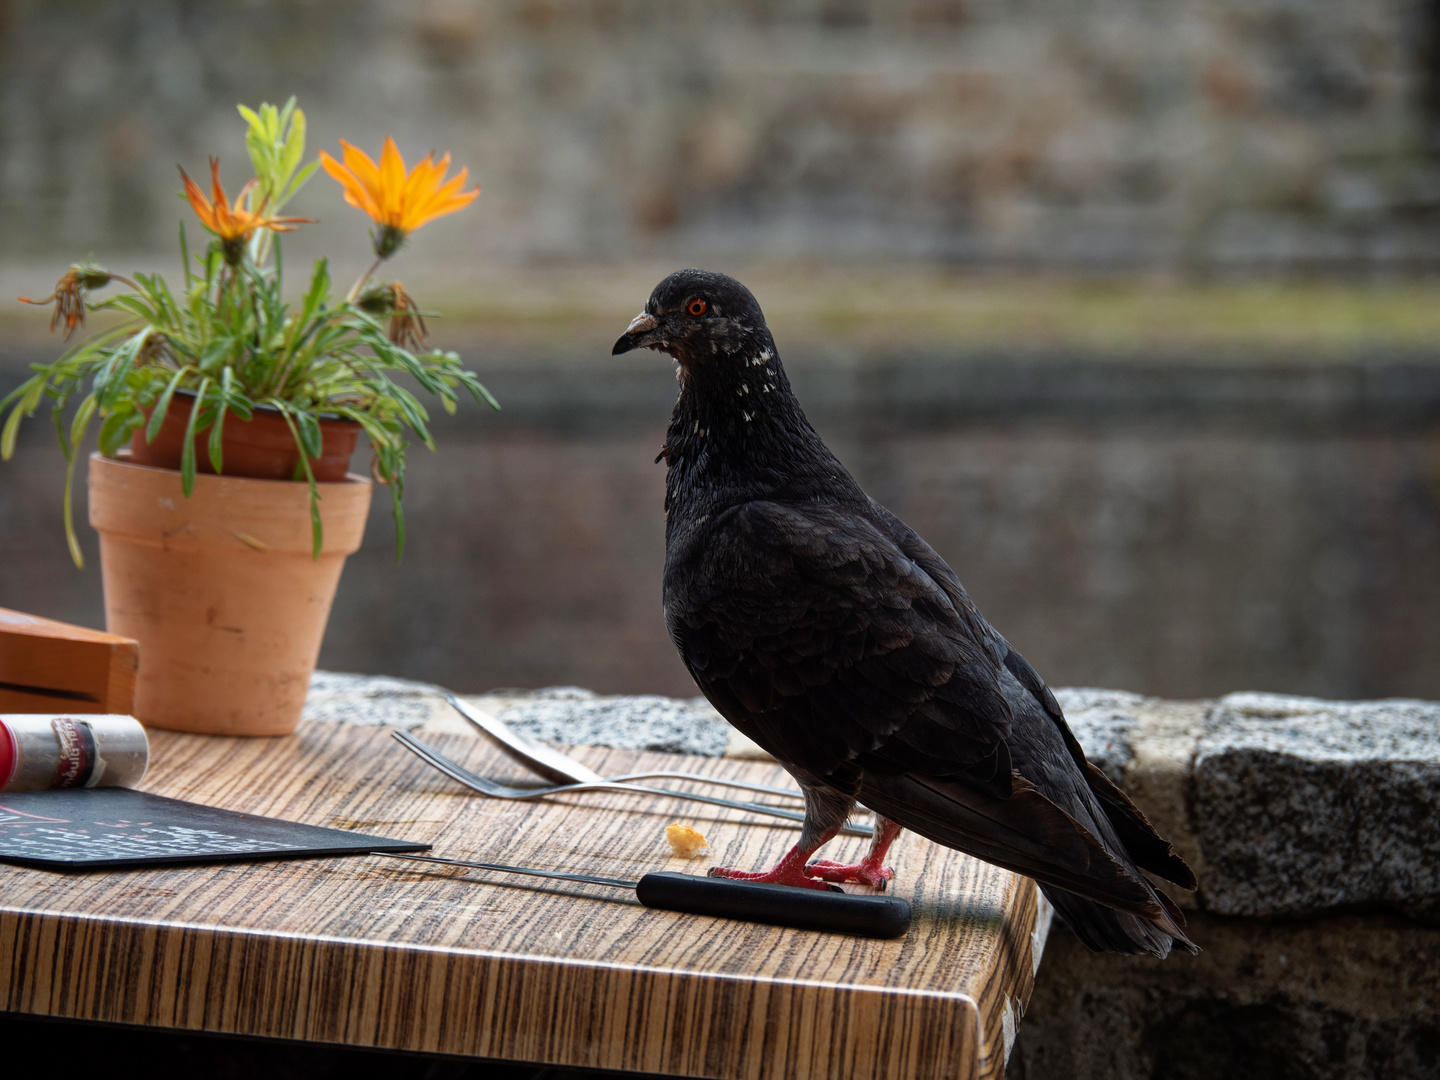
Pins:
x: 134, y: 842
x: 80, y: 828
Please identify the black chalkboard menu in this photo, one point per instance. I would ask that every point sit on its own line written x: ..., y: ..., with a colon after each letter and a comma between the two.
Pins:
x: 80, y: 829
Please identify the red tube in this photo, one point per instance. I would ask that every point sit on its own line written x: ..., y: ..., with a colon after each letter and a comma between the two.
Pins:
x: 8, y: 755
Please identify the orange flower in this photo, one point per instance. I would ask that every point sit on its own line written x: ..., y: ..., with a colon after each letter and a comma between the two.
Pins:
x: 397, y: 201
x: 232, y: 223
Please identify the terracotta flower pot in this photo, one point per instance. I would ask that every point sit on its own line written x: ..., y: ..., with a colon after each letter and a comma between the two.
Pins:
x: 261, y: 447
x: 220, y: 590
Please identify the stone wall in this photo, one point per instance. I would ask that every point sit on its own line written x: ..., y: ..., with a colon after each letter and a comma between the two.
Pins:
x: 1192, y: 134
x: 1314, y: 828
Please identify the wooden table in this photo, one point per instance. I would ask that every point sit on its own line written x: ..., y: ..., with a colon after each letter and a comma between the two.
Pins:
x: 367, y: 952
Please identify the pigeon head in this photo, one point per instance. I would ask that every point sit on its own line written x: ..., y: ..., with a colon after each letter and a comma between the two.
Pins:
x: 736, y: 421
x: 701, y: 319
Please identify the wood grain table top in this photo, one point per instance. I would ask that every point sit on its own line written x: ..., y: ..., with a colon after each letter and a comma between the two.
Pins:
x: 368, y: 952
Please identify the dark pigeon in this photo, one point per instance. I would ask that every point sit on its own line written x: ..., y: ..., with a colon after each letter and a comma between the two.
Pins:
x: 825, y: 629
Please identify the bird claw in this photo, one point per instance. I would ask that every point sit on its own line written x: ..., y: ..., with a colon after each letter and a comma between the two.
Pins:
x: 781, y: 875
x: 876, y: 877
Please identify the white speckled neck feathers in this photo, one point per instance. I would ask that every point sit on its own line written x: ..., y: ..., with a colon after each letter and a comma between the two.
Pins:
x: 738, y: 434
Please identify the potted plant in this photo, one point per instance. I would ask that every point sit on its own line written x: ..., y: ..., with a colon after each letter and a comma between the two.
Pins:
x: 227, y: 417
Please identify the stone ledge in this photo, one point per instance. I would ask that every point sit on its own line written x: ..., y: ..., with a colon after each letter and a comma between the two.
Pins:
x: 567, y: 715
x: 1303, y: 806
x: 1284, y: 806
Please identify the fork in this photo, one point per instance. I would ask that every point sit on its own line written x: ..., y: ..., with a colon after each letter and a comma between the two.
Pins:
x: 563, y: 769
x: 459, y: 773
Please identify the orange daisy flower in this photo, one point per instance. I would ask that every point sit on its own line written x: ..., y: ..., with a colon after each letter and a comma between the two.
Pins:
x: 232, y: 223
x: 397, y: 201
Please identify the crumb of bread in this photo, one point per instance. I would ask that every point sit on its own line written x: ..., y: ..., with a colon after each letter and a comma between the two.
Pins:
x: 685, y: 841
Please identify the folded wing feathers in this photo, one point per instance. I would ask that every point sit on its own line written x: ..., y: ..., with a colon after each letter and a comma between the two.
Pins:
x: 1029, y: 834
x: 1145, y: 846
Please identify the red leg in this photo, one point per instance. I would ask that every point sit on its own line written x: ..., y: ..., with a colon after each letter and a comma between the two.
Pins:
x: 869, y: 870
x: 788, y: 871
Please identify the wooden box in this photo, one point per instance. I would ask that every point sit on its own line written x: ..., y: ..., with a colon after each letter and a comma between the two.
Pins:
x: 48, y: 666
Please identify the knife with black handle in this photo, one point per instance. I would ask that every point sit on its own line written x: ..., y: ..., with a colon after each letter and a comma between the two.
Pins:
x: 833, y: 912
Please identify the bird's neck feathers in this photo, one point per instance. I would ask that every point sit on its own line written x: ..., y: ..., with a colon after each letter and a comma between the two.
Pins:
x: 738, y: 433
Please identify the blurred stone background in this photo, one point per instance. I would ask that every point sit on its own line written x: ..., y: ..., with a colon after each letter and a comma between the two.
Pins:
x: 1128, y: 307
x: 1197, y: 133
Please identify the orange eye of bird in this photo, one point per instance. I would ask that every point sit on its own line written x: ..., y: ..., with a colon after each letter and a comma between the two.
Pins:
x: 696, y: 307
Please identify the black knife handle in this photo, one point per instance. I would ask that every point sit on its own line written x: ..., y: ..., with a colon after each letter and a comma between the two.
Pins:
x: 779, y: 905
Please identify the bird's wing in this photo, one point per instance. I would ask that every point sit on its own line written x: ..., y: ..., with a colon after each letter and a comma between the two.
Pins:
x: 810, y: 630
x: 1029, y: 834
x: 1145, y: 846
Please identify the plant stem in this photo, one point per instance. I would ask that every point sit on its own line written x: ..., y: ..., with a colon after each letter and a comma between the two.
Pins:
x: 355, y: 289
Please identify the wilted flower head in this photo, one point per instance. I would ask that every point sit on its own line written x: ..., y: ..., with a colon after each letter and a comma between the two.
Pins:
x: 407, y: 325
x: 232, y: 223
x: 397, y: 201
x: 69, y: 295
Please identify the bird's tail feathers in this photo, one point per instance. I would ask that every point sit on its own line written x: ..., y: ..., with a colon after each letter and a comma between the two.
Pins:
x: 1105, y: 929
x: 1029, y: 834
x: 1147, y: 848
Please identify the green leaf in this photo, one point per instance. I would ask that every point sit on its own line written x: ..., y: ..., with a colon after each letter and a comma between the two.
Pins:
x: 82, y: 418
x: 317, y: 527
x: 71, y: 540
x: 214, y: 355
x: 227, y: 381
x: 478, y: 391
x: 22, y: 388
x: 319, y: 290
x: 172, y: 309
x: 157, y: 416
x: 32, y: 389
x: 294, y: 141
x: 185, y: 254
x: 310, y: 438
x: 301, y: 178
x: 117, y: 428
x: 375, y: 431
x: 399, y: 517
x: 187, y: 451
x: 109, y: 380
x: 77, y: 433
x: 139, y: 306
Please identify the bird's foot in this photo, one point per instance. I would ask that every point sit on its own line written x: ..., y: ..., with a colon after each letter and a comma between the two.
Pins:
x: 861, y: 873
x: 787, y: 873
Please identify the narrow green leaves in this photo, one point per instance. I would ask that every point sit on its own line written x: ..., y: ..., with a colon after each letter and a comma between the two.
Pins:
x: 71, y: 447
x: 293, y: 420
x: 29, y: 394
x: 162, y: 407
x: 187, y: 451
x: 217, y: 429
x: 275, y: 141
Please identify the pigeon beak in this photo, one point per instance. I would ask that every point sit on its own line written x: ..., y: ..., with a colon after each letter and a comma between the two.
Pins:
x: 634, y: 336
